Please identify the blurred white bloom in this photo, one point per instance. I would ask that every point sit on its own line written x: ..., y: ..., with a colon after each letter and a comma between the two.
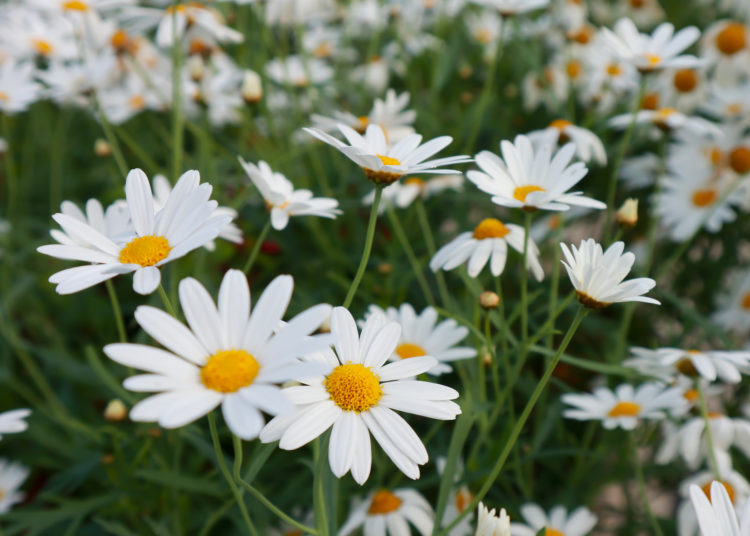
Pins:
x: 664, y: 363
x: 12, y: 475
x: 668, y: 119
x: 386, y: 513
x: 588, y: 145
x: 114, y: 222
x: 490, y: 523
x: 299, y: 72
x: 403, y: 193
x: 12, y: 422
x: 717, y: 516
x: 579, y: 522
x: 733, y: 312
x: 513, y: 7
x: 17, y: 86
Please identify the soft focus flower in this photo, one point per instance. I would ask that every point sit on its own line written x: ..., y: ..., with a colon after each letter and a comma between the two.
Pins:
x: 664, y: 363
x: 717, y: 516
x: 12, y: 422
x: 386, y: 513
x: 12, y: 475
x: 490, y: 523
x: 579, y: 522
x: 588, y: 145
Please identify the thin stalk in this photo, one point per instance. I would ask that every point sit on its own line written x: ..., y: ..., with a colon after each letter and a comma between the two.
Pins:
x: 116, y: 311
x: 256, y: 247
x: 177, y: 119
x: 524, y: 282
x: 642, y: 485
x: 516, y: 432
x: 122, y: 166
x: 410, y: 255
x: 368, y: 248
x: 228, y: 476
x: 165, y: 300
x: 424, y: 224
x: 319, y: 500
x: 709, y: 432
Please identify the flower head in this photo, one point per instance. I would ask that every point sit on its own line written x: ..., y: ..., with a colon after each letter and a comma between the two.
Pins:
x: 579, y: 522
x: 12, y: 422
x: 12, y: 475
x: 391, y: 512
x: 490, y: 523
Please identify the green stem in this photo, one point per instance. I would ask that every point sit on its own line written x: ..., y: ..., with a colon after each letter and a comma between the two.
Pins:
x: 320, y: 461
x: 524, y: 281
x: 516, y: 432
x: 256, y: 248
x: 368, y: 248
x: 177, y: 120
x: 415, y: 266
x: 122, y: 166
x: 116, y: 311
x: 227, y: 475
x: 167, y: 303
x: 424, y: 224
x: 709, y: 432
x: 642, y: 485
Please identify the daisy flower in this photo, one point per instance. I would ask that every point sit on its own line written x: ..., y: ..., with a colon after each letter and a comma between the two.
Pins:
x: 529, y: 179
x: 588, y: 145
x: 282, y: 200
x: 487, y: 242
x: 598, y: 276
x: 734, y: 305
x: 228, y: 356
x: 459, y: 499
x: 186, y: 222
x: 667, y: 119
x: 490, y: 523
x: 711, y: 364
x: 12, y: 475
x: 659, y: 50
x: 736, y: 486
x: 726, y: 43
x: 357, y: 395
x: 298, y: 72
x: 384, y: 164
x: 422, y: 335
x: 717, y: 516
x: 508, y: 8
x: 386, y: 513
x: 403, y: 193
x: 18, y: 90
x: 114, y: 222
x: 625, y: 406
x: 12, y: 422
x: 579, y: 522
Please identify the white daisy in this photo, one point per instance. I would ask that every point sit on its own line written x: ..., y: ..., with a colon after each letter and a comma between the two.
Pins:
x: 734, y: 483
x: 598, y: 276
x: 114, y: 222
x: 625, y: 406
x: 491, y: 524
x: 579, y: 522
x: 282, y: 200
x: 383, y: 164
x: 588, y: 145
x: 487, y: 242
x: 386, y: 513
x: 668, y: 119
x: 12, y: 475
x: 659, y: 50
x: 186, y: 222
x: 421, y: 335
x: 665, y: 362
x: 403, y: 193
x: 12, y: 422
x: 357, y: 395
x: 18, y: 90
x: 228, y: 356
x: 734, y: 305
x: 298, y: 72
x: 717, y: 516
x: 529, y: 179
x: 508, y: 8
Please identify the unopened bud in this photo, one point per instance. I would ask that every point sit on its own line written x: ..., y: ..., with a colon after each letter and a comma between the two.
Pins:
x: 194, y: 66
x: 115, y: 411
x: 108, y: 459
x: 102, y: 148
x: 487, y: 359
x: 627, y: 216
x: 385, y: 268
x: 252, y: 87
x: 488, y: 300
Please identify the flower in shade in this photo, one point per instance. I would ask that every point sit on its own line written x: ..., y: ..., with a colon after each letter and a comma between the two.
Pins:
x: 186, y: 222
x: 386, y: 513
x: 625, y: 406
x: 488, y: 241
x: 598, y: 276
x: 229, y: 355
x: 660, y: 50
x: 12, y: 422
x: 422, y: 335
x: 12, y: 475
x: 384, y: 164
x: 531, y: 179
x: 282, y: 200
x: 668, y: 119
x: 736, y: 486
x: 588, y: 145
x: 490, y: 523
x: 734, y: 304
x: 357, y: 394
x: 664, y: 363
x: 717, y: 516
x: 579, y: 522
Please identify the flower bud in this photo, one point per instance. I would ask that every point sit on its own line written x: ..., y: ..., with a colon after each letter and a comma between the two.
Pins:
x: 102, y: 148
x: 115, y: 411
x: 252, y: 87
x: 627, y: 216
x: 488, y: 300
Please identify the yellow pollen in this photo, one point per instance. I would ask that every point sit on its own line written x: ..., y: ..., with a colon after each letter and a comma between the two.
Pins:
x: 4, y: 96
x: 408, y: 350
x: 715, y: 156
x: 560, y: 124
x: 685, y: 80
x: 483, y: 35
x: 739, y: 160
x: 75, y: 5
x: 521, y: 192
x: 573, y: 68
x: 691, y: 395
x: 388, y: 161
x: 730, y: 490
x: 685, y: 366
x: 653, y: 60
x: 625, y: 409
x: 552, y: 532
x: 323, y: 50
x: 650, y: 101
x: 228, y: 371
x: 614, y: 69
x: 663, y: 113
x: 137, y: 102
x: 43, y: 48
x: 353, y: 387
x: 416, y: 181
x: 732, y: 38
x: 463, y: 499
x: 734, y: 109
x: 490, y: 228
x: 145, y: 250
x: 384, y: 502
x: 704, y: 198
x: 714, y: 414
x: 746, y: 301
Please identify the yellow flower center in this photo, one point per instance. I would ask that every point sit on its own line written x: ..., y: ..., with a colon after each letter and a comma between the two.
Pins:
x: 407, y: 350
x: 552, y: 532
x: 483, y: 35
x: 43, y: 48
x: 583, y: 36
x: 637, y: 4
x: 145, y: 250
x: 730, y: 489
x: 715, y: 155
x: 463, y: 499
x: 521, y: 192
x: 685, y: 366
x: 734, y: 108
x: 384, y: 502
x: 691, y: 395
x: 739, y: 159
x: 746, y: 302
x: 353, y: 387
x: 228, y: 371
x: 416, y: 181
x: 560, y: 124
x: 625, y: 409
x: 663, y: 113
x: 614, y: 69
x: 75, y: 5
x: 137, y: 102
x: 573, y: 68
x: 362, y: 122
x: 685, y: 80
x: 732, y: 38
x: 490, y: 228
x: 704, y: 198
x: 4, y: 96
x: 650, y: 101
x: 388, y: 161
x: 653, y: 60
x: 323, y: 50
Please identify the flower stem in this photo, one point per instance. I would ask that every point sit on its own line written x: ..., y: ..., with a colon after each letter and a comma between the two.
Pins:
x: 416, y: 268
x: 368, y: 248
x: 516, y: 432
x: 709, y: 432
x: 165, y: 300
x: 424, y: 223
x: 319, y: 500
x: 524, y: 281
x: 177, y: 119
x: 256, y: 248
x: 116, y: 310
x: 642, y: 485
x: 228, y: 476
